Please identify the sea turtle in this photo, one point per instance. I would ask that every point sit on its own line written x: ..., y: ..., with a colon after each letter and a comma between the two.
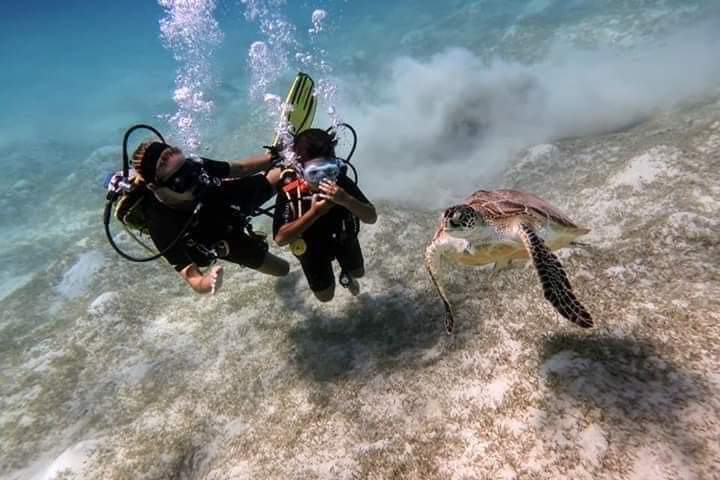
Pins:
x: 503, y: 225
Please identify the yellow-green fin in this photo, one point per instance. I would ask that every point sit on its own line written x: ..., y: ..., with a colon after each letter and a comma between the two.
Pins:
x: 303, y: 102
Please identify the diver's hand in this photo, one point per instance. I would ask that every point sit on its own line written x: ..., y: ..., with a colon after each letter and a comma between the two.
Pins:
x: 365, y: 211
x: 275, y: 152
x: 212, y: 280
x: 334, y: 193
x: 320, y: 205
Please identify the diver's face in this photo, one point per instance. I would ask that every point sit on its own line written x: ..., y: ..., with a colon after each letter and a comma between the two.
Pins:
x: 317, y: 170
x: 166, y: 167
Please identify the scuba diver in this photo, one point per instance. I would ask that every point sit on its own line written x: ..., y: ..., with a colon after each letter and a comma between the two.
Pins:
x: 189, y: 237
x: 318, y: 212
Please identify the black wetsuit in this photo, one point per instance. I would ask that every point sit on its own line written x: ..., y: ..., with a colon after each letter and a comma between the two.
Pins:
x: 216, y: 221
x: 333, y: 236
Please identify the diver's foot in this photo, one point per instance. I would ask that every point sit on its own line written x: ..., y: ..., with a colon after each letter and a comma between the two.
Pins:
x: 347, y: 281
x: 354, y: 288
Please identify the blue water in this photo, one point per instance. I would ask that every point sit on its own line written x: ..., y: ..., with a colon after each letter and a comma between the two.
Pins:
x: 433, y: 87
x: 443, y: 94
x: 88, y: 69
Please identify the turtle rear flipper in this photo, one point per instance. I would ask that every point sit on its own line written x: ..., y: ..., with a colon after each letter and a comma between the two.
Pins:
x: 555, y: 283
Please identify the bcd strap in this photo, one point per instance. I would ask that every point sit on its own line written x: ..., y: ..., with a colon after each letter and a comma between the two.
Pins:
x: 294, y: 185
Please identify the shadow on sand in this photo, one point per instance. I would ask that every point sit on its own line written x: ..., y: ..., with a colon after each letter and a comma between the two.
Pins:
x: 628, y: 380
x: 386, y: 331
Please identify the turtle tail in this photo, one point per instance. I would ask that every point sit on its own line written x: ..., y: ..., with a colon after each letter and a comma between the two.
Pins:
x: 431, y: 256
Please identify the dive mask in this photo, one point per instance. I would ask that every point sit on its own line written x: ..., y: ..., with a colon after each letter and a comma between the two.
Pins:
x: 190, y: 174
x: 328, y: 169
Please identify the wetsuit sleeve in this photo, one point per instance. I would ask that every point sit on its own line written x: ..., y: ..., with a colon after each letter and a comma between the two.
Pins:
x: 283, y: 213
x: 216, y: 168
x: 350, y: 187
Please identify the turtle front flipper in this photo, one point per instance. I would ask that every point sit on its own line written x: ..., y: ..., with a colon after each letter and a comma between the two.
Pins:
x: 432, y: 254
x: 555, y: 283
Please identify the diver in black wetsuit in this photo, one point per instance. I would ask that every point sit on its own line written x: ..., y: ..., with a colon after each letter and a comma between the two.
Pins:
x: 230, y: 192
x: 318, y: 213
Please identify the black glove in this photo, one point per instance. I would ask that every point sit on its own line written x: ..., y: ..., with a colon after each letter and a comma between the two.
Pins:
x: 274, y: 151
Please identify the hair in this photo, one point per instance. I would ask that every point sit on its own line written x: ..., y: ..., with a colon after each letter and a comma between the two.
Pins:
x: 314, y: 143
x: 140, y: 152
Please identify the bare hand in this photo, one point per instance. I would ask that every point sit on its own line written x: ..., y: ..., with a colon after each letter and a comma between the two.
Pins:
x: 320, y: 204
x: 212, y: 280
x: 333, y: 192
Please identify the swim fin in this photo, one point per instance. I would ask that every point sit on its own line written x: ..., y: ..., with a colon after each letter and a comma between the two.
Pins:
x: 302, y: 103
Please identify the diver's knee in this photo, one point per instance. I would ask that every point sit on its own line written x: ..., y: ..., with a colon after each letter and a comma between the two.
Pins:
x: 283, y: 268
x: 325, y: 295
x: 273, y: 265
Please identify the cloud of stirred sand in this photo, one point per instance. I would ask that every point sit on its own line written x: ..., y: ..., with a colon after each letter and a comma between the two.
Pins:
x: 439, y: 129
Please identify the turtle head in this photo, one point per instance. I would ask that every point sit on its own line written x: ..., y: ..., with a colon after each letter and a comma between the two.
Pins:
x: 461, y: 219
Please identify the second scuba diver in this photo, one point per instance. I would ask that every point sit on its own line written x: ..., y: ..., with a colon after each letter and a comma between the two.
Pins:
x: 318, y: 213
x: 229, y: 192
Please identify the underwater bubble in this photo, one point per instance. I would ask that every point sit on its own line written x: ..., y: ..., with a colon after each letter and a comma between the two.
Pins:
x: 182, y: 95
x: 270, y: 58
x: 189, y: 30
x: 318, y: 16
x: 258, y: 48
x: 185, y: 122
x: 273, y: 101
x: 303, y: 58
